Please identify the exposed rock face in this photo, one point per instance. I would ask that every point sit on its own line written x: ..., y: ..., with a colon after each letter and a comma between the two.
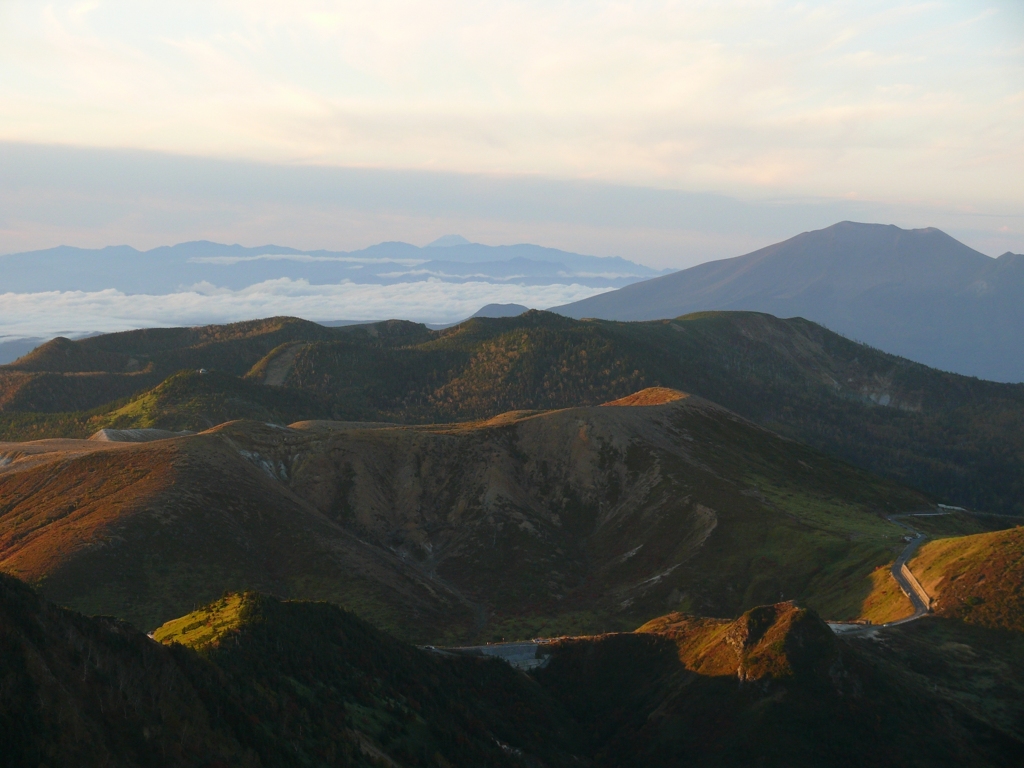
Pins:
x: 769, y: 641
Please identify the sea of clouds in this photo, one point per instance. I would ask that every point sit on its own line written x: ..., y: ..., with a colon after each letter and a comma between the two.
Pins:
x: 42, y: 315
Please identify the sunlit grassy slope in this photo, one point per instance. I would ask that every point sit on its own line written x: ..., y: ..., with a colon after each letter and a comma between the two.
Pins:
x: 775, y: 687
x: 886, y: 601
x: 977, y: 579
x: 204, y: 626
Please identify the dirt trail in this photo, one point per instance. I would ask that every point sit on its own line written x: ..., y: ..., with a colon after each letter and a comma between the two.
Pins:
x: 279, y: 368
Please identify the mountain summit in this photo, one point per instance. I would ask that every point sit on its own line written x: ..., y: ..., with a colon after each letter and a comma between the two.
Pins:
x: 446, y: 241
x: 918, y: 293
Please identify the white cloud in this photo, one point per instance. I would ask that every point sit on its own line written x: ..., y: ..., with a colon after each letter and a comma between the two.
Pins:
x: 891, y: 100
x: 448, y: 276
x: 47, y: 314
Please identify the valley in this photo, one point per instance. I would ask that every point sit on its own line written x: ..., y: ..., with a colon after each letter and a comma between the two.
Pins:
x: 640, y: 385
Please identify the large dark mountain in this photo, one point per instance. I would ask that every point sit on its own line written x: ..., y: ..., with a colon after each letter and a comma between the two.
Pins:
x: 289, y: 685
x: 916, y: 293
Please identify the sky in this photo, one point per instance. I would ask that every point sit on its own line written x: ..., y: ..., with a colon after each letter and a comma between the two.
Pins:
x: 669, y: 133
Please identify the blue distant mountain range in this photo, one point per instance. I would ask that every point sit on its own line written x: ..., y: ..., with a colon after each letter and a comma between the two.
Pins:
x: 173, y: 268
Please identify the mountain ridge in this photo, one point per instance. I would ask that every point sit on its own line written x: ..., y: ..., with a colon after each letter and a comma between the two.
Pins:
x: 956, y: 437
x: 167, y: 269
x: 235, y: 683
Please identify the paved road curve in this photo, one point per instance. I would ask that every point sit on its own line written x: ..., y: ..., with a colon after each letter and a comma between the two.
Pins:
x: 920, y: 599
x: 908, y: 583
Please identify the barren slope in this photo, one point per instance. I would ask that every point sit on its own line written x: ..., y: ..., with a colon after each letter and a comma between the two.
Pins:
x: 145, y: 531
x: 578, y: 519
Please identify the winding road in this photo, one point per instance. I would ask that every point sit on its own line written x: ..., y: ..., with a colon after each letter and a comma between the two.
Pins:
x: 908, y: 583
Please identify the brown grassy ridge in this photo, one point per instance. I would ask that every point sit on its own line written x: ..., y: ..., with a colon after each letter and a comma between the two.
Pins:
x: 147, y: 531
x: 649, y: 396
x: 772, y: 641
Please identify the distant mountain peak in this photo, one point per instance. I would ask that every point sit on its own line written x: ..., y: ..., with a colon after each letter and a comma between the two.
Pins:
x: 501, y: 310
x: 447, y: 241
x: 917, y: 293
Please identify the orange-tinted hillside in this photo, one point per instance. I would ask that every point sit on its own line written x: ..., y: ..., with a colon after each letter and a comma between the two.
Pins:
x: 978, y: 579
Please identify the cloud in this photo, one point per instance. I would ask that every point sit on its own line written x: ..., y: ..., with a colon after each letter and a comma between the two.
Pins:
x: 896, y: 101
x: 92, y: 198
x: 25, y: 315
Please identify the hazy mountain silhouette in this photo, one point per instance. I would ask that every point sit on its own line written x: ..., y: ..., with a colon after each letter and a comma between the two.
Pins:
x: 917, y: 293
x: 172, y: 268
x: 501, y: 310
x: 447, y: 241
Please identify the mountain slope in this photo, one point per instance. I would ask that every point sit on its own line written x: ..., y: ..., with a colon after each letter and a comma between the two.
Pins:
x: 288, y: 685
x: 250, y: 680
x: 915, y: 293
x: 958, y: 438
x: 63, y: 375
x: 978, y: 579
x: 584, y: 518
x: 776, y: 688
x: 145, y: 531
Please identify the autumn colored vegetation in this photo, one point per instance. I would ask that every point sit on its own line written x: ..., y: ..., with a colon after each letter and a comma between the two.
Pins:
x: 977, y: 579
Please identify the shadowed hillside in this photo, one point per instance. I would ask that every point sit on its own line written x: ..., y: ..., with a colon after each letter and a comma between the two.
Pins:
x: 249, y: 680
x: 776, y: 688
x: 97, y: 692
x: 63, y: 375
x: 575, y: 520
